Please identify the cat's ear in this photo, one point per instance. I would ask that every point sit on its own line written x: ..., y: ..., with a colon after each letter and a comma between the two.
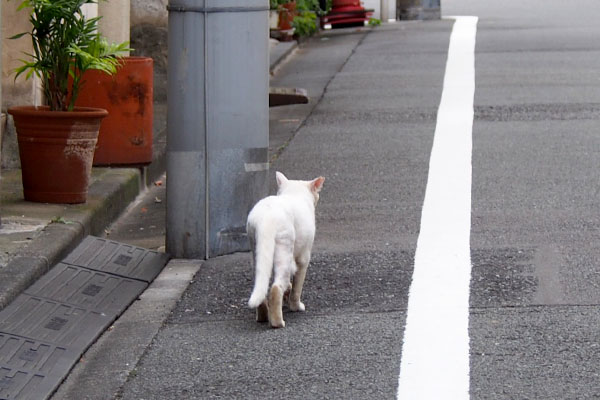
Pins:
x: 317, y: 184
x: 281, y: 179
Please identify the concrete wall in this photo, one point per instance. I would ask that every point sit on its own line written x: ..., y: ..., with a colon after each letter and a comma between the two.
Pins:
x: 14, y: 92
x: 152, y: 12
x: 149, y: 39
x: 375, y: 5
x: 13, y: 22
x: 114, y: 25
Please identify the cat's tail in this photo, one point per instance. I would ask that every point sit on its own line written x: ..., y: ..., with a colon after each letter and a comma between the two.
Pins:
x: 263, y: 253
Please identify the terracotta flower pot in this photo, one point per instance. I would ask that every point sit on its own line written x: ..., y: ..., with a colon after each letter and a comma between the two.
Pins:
x: 287, y: 12
x: 56, y: 150
x: 126, y: 134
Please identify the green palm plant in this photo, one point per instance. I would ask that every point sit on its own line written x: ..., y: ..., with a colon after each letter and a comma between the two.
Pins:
x: 65, y: 45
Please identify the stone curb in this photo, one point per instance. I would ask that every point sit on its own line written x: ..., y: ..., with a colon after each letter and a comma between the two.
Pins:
x: 279, y: 52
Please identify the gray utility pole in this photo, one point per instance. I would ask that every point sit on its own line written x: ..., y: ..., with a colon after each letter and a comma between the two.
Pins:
x: 217, y: 123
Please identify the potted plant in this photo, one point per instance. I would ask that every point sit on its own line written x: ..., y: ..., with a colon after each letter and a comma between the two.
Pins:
x: 305, y: 22
x: 287, y: 12
x: 57, y: 141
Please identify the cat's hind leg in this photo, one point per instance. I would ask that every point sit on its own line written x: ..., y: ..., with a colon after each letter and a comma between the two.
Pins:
x: 282, y: 269
x: 286, y: 294
x: 262, y: 312
x: 274, y: 310
x: 302, y: 265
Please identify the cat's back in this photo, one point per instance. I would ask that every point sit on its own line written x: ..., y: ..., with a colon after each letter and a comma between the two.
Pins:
x: 271, y: 208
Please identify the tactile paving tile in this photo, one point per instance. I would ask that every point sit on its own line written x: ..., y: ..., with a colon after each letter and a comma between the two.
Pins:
x: 117, y: 258
x: 28, y: 366
x: 87, y: 288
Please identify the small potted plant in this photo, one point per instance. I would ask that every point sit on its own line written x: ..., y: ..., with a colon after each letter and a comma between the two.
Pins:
x: 57, y: 141
x: 305, y: 22
x: 287, y: 12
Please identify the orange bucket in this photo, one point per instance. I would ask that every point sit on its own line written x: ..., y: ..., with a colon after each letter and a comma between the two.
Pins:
x: 126, y: 133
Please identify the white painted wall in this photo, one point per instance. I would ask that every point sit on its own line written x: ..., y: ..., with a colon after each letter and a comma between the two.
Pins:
x: 90, y: 10
x: 376, y: 5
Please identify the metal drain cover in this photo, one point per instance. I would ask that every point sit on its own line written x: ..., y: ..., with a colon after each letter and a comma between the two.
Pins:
x: 46, y: 329
x: 53, y: 321
x: 117, y: 258
x: 87, y: 288
x: 29, y: 367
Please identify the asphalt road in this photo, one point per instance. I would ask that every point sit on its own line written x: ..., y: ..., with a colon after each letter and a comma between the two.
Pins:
x: 535, y: 212
x: 369, y: 129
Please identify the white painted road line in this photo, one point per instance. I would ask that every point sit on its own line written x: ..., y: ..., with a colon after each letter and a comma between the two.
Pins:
x: 435, y: 352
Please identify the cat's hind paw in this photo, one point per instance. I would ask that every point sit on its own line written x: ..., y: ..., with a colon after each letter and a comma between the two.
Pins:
x: 297, y: 306
x: 278, y: 324
x: 262, y: 313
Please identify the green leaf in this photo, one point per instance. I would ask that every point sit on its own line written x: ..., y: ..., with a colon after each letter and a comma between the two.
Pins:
x: 19, y: 35
x: 64, y: 44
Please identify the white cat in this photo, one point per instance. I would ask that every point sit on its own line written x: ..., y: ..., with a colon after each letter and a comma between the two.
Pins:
x: 281, y: 230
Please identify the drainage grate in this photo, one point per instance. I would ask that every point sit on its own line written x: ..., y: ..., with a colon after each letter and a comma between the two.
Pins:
x: 45, y: 330
x: 29, y: 367
x: 53, y: 321
x: 18, y: 383
x: 87, y: 288
x: 31, y: 354
x: 117, y: 258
